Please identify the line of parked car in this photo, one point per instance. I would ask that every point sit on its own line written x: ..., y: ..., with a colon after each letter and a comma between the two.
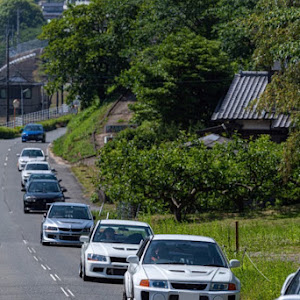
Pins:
x: 154, y: 267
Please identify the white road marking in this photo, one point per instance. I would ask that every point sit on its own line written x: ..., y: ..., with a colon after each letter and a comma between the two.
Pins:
x: 25, y: 242
x: 9, y: 149
x: 35, y: 258
x: 66, y: 294
x: 48, y: 268
x: 43, y: 267
x: 29, y: 249
x: 57, y: 277
x: 52, y: 277
x: 5, y: 164
x: 33, y: 250
x: 6, y: 158
x: 70, y: 293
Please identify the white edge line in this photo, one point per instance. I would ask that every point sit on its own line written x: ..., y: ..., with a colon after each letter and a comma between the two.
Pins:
x: 52, y: 277
x: 70, y: 293
x: 57, y: 277
x: 66, y: 294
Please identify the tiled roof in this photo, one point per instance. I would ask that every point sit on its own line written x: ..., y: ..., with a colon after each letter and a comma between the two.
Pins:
x: 246, y: 87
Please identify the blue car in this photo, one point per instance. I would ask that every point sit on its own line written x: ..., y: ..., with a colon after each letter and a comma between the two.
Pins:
x: 33, y: 132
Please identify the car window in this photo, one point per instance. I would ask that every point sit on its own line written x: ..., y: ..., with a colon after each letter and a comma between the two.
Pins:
x: 126, y: 234
x: 33, y: 128
x: 42, y: 176
x: 142, y: 248
x: 70, y: 212
x: 184, y: 252
x: 32, y: 153
x: 294, y: 286
x: 43, y: 187
x: 36, y: 167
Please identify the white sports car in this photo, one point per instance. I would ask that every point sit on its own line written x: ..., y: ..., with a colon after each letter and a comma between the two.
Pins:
x: 30, y: 154
x: 34, y: 167
x: 104, y: 253
x: 291, y: 287
x: 180, y: 267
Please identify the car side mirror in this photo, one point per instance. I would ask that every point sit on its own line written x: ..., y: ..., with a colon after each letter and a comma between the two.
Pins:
x: 23, y: 189
x: 94, y: 217
x: 59, y: 180
x: 234, y: 263
x: 84, y: 239
x: 53, y: 170
x: 18, y: 154
x: 132, y: 259
x: 45, y: 215
x: 64, y: 190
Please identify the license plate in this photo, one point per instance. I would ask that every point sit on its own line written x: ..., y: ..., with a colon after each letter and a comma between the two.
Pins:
x: 187, y: 296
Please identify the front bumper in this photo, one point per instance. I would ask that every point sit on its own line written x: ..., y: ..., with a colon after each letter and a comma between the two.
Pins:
x: 40, y: 205
x: 142, y: 293
x: 105, y: 270
x: 70, y: 237
x: 32, y: 137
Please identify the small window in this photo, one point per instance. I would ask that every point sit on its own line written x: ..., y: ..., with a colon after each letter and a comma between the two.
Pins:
x: 2, y: 93
x: 28, y: 94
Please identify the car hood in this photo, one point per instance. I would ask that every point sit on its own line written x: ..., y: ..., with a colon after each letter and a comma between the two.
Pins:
x: 44, y: 195
x: 26, y: 173
x: 69, y: 223
x: 113, y: 249
x: 187, y: 273
x: 29, y: 158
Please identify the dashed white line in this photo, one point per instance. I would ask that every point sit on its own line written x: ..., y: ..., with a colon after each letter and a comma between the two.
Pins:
x: 57, y: 277
x: 33, y: 250
x: 35, y: 258
x: 30, y: 251
x: 6, y: 158
x: 66, y: 294
x: 9, y: 149
x: 25, y: 242
x: 52, y: 276
x: 5, y: 164
x: 43, y: 267
x: 70, y: 293
x: 48, y: 268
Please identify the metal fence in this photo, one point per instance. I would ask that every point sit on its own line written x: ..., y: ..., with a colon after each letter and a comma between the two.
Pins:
x: 41, y: 115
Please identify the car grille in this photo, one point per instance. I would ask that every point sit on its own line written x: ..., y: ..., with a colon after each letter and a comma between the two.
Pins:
x: 189, y: 286
x: 118, y: 259
x: 70, y: 229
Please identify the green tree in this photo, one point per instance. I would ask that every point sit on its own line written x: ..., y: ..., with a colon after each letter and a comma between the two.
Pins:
x: 179, y: 80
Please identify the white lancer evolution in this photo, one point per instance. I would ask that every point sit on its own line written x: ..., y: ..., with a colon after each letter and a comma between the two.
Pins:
x: 104, y: 253
x: 180, y: 267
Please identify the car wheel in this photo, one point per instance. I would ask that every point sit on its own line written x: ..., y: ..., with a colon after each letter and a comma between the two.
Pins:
x: 43, y: 140
x: 84, y: 277
x: 80, y: 270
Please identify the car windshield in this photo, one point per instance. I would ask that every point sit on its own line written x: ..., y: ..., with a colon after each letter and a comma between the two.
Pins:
x: 33, y: 128
x: 32, y: 153
x: 43, y: 187
x: 182, y: 252
x: 36, y: 167
x: 69, y: 212
x: 294, y: 286
x: 42, y: 176
x: 126, y: 234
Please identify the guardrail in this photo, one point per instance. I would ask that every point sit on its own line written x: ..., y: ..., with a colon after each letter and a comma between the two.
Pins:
x: 41, y: 115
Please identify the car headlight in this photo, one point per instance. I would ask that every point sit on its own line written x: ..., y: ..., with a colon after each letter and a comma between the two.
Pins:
x: 160, y: 284
x: 50, y: 228
x: 30, y: 198
x: 96, y: 257
x: 222, y: 287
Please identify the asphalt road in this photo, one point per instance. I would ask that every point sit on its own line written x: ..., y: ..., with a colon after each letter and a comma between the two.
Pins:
x: 29, y: 270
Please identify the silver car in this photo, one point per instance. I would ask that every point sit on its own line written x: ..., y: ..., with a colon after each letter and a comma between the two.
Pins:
x: 65, y: 223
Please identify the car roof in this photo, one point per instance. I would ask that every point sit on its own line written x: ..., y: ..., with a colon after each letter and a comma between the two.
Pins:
x: 44, y: 180
x: 183, y: 237
x: 33, y: 124
x: 31, y: 148
x: 69, y: 204
x: 123, y: 222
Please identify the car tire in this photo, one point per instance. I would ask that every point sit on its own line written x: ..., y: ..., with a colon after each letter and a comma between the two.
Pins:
x: 80, y: 270
x: 25, y: 211
x: 43, y: 140
x: 84, y: 277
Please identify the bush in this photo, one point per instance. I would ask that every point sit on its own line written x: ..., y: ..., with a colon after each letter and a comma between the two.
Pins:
x: 9, y: 133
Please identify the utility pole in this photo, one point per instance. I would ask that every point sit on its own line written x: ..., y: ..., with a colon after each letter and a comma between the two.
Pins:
x: 18, y: 28
x: 7, y: 74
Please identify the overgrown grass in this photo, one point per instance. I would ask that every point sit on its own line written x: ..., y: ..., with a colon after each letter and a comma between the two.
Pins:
x: 271, y: 241
x: 77, y: 143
